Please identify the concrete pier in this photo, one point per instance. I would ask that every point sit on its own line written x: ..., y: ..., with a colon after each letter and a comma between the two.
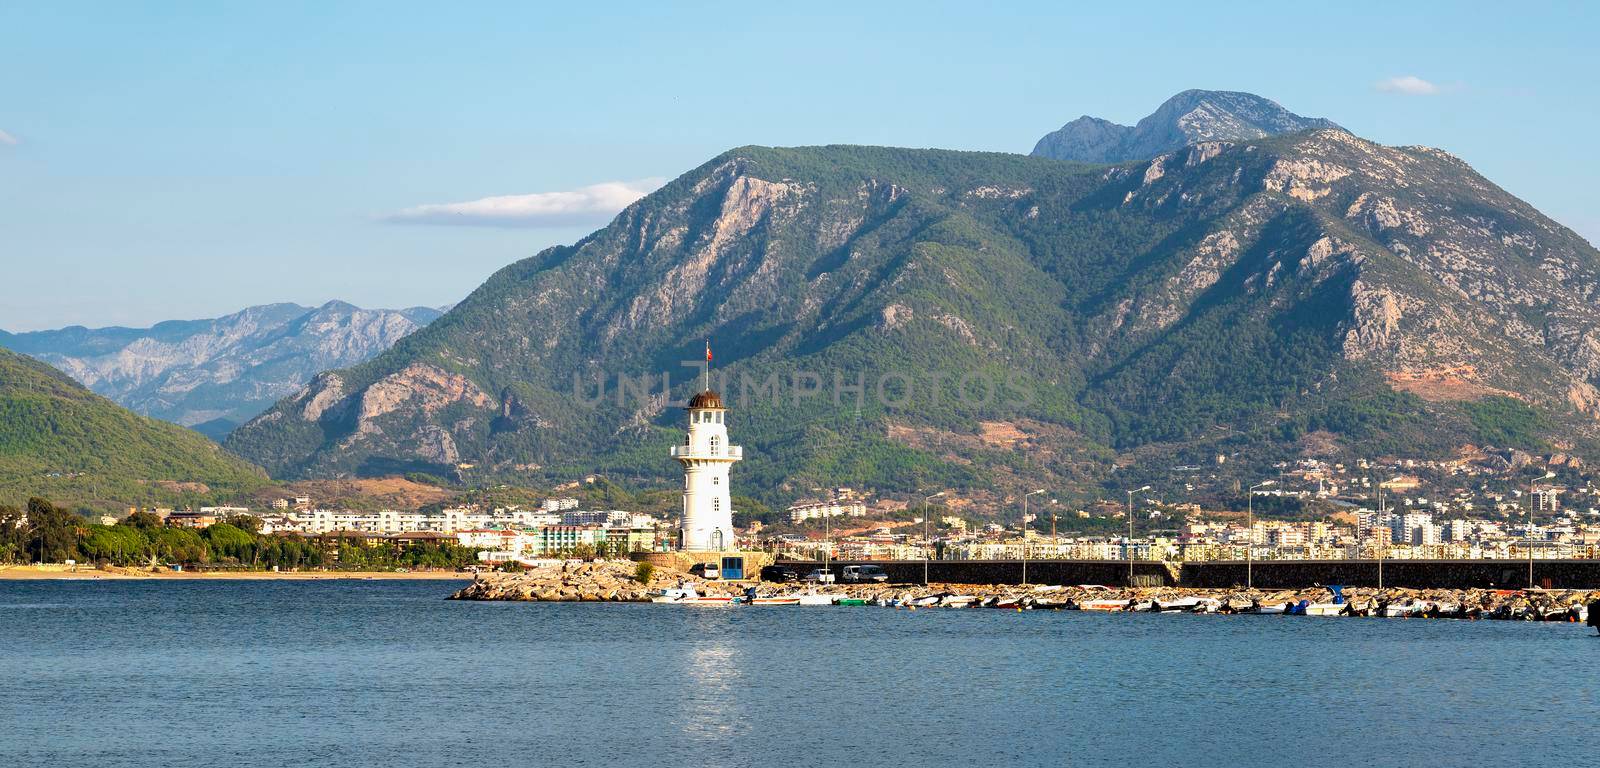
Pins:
x: 1268, y: 574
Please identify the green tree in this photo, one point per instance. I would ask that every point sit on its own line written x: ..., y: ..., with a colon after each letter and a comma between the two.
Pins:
x: 53, y: 533
x: 180, y: 545
x: 247, y: 523
x: 116, y: 544
x: 147, y: 521
x: 228, y: 542
x: 12, y: 534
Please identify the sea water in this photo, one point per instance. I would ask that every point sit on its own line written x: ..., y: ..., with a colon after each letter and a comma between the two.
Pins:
x: 361, y: 674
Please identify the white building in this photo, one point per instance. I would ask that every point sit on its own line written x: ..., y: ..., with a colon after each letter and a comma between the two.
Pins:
x: 811, y: 509
x: 707, y: 457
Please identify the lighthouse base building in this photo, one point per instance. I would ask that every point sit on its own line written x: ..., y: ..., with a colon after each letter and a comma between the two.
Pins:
x: 707, y: 457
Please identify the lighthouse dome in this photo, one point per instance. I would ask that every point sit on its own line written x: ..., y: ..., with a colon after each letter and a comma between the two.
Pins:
x: 706, y: 399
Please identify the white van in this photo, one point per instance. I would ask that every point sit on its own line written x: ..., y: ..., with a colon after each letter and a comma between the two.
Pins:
x: 707, y: 571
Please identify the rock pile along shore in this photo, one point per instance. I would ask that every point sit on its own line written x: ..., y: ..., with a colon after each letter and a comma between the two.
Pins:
x: 612, y: 581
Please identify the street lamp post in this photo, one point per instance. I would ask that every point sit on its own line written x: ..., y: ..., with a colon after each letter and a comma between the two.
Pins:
x: 927, y: 543
x: 1130, y: 530
x: 1250, y: 531
x: 1527, y: 533
x: 1025, y: 534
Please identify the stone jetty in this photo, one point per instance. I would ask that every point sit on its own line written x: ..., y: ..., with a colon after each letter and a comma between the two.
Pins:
x: 616, y: 581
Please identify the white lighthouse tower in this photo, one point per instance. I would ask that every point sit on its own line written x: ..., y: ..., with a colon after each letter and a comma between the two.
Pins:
x: 706, y: 457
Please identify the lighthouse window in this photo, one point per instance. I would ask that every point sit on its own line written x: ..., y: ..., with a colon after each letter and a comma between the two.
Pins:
x: 716, y: 505
x: 715, y: 443
x: 716, y: 481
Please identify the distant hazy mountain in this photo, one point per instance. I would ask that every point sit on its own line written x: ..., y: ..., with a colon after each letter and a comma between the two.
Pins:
x: 1187, y: 118
x: 215, y: 374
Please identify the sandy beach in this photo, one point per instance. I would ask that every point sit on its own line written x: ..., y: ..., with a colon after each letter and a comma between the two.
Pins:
x: 66, y: 572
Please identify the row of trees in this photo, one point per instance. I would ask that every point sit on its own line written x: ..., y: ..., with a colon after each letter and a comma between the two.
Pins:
x: 45, y: 533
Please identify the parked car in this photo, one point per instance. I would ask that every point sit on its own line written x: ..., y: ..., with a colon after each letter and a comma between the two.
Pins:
x: 780, y: 573
x: 821, y: 576
x: 857, y: 574
x: 707, y: 571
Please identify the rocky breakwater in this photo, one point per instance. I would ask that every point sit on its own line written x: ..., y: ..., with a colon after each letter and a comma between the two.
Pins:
x: 572, y: 581
x: 620, y: 581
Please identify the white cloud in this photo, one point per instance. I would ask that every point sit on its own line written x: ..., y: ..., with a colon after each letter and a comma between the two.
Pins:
x: 594, y: 204
x: 1409, y: 85
x: 9, y: 140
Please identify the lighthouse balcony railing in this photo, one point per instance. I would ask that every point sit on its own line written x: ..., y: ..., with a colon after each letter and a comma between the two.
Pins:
x: 735, y: 452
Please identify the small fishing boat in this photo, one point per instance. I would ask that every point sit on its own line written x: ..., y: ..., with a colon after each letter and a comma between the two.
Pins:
x: 687, y: 596
x: 957, y: 601
x: 1401, y: 610
x: 1104, y: 605
x: 851, y: 601
x: 1268, y: 610
x: 1180, y: 605
x: 776, y: 600
x: 1325, y: 609
x: 815, y: 599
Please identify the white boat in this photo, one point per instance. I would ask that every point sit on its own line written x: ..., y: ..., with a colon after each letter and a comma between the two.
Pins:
x: 1273, y: 610
x: 957, y: 601
x: 687, y: 596
x: 1325, y: 609
x: 1396, y: 610
x: 776, y: 600
x: 1181, y: 605
x: 814, y: 599
x: 1103, y: 605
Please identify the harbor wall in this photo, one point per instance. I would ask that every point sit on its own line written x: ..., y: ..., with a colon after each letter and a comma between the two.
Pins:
x: 1107, y: 572
x: 1418, y: 574
x: 1270, y: 574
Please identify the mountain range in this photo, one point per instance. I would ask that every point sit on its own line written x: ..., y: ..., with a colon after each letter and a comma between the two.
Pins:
x: 215, y: 374
x: 1254, y: 284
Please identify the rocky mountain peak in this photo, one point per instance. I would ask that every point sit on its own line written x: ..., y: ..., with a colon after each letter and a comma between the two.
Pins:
x: 1187, y: 118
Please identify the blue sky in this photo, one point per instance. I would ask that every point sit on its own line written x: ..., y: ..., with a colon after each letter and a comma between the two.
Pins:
x: 164, y: 160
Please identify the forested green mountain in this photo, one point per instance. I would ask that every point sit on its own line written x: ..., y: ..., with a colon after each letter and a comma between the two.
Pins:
x: 59, y: 439
x: 1305, y: 291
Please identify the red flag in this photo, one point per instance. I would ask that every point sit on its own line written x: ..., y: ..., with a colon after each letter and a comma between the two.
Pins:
x: 708, y: 351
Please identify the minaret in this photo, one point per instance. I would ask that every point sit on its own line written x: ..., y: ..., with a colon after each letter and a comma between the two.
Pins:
x: 706, y: 457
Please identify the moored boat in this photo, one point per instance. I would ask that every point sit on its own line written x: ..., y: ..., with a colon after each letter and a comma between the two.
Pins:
x: 688, y: 596
x: 1180, y: 605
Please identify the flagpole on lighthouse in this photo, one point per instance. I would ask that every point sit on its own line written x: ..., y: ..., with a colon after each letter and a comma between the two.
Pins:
x: 708, y: 365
